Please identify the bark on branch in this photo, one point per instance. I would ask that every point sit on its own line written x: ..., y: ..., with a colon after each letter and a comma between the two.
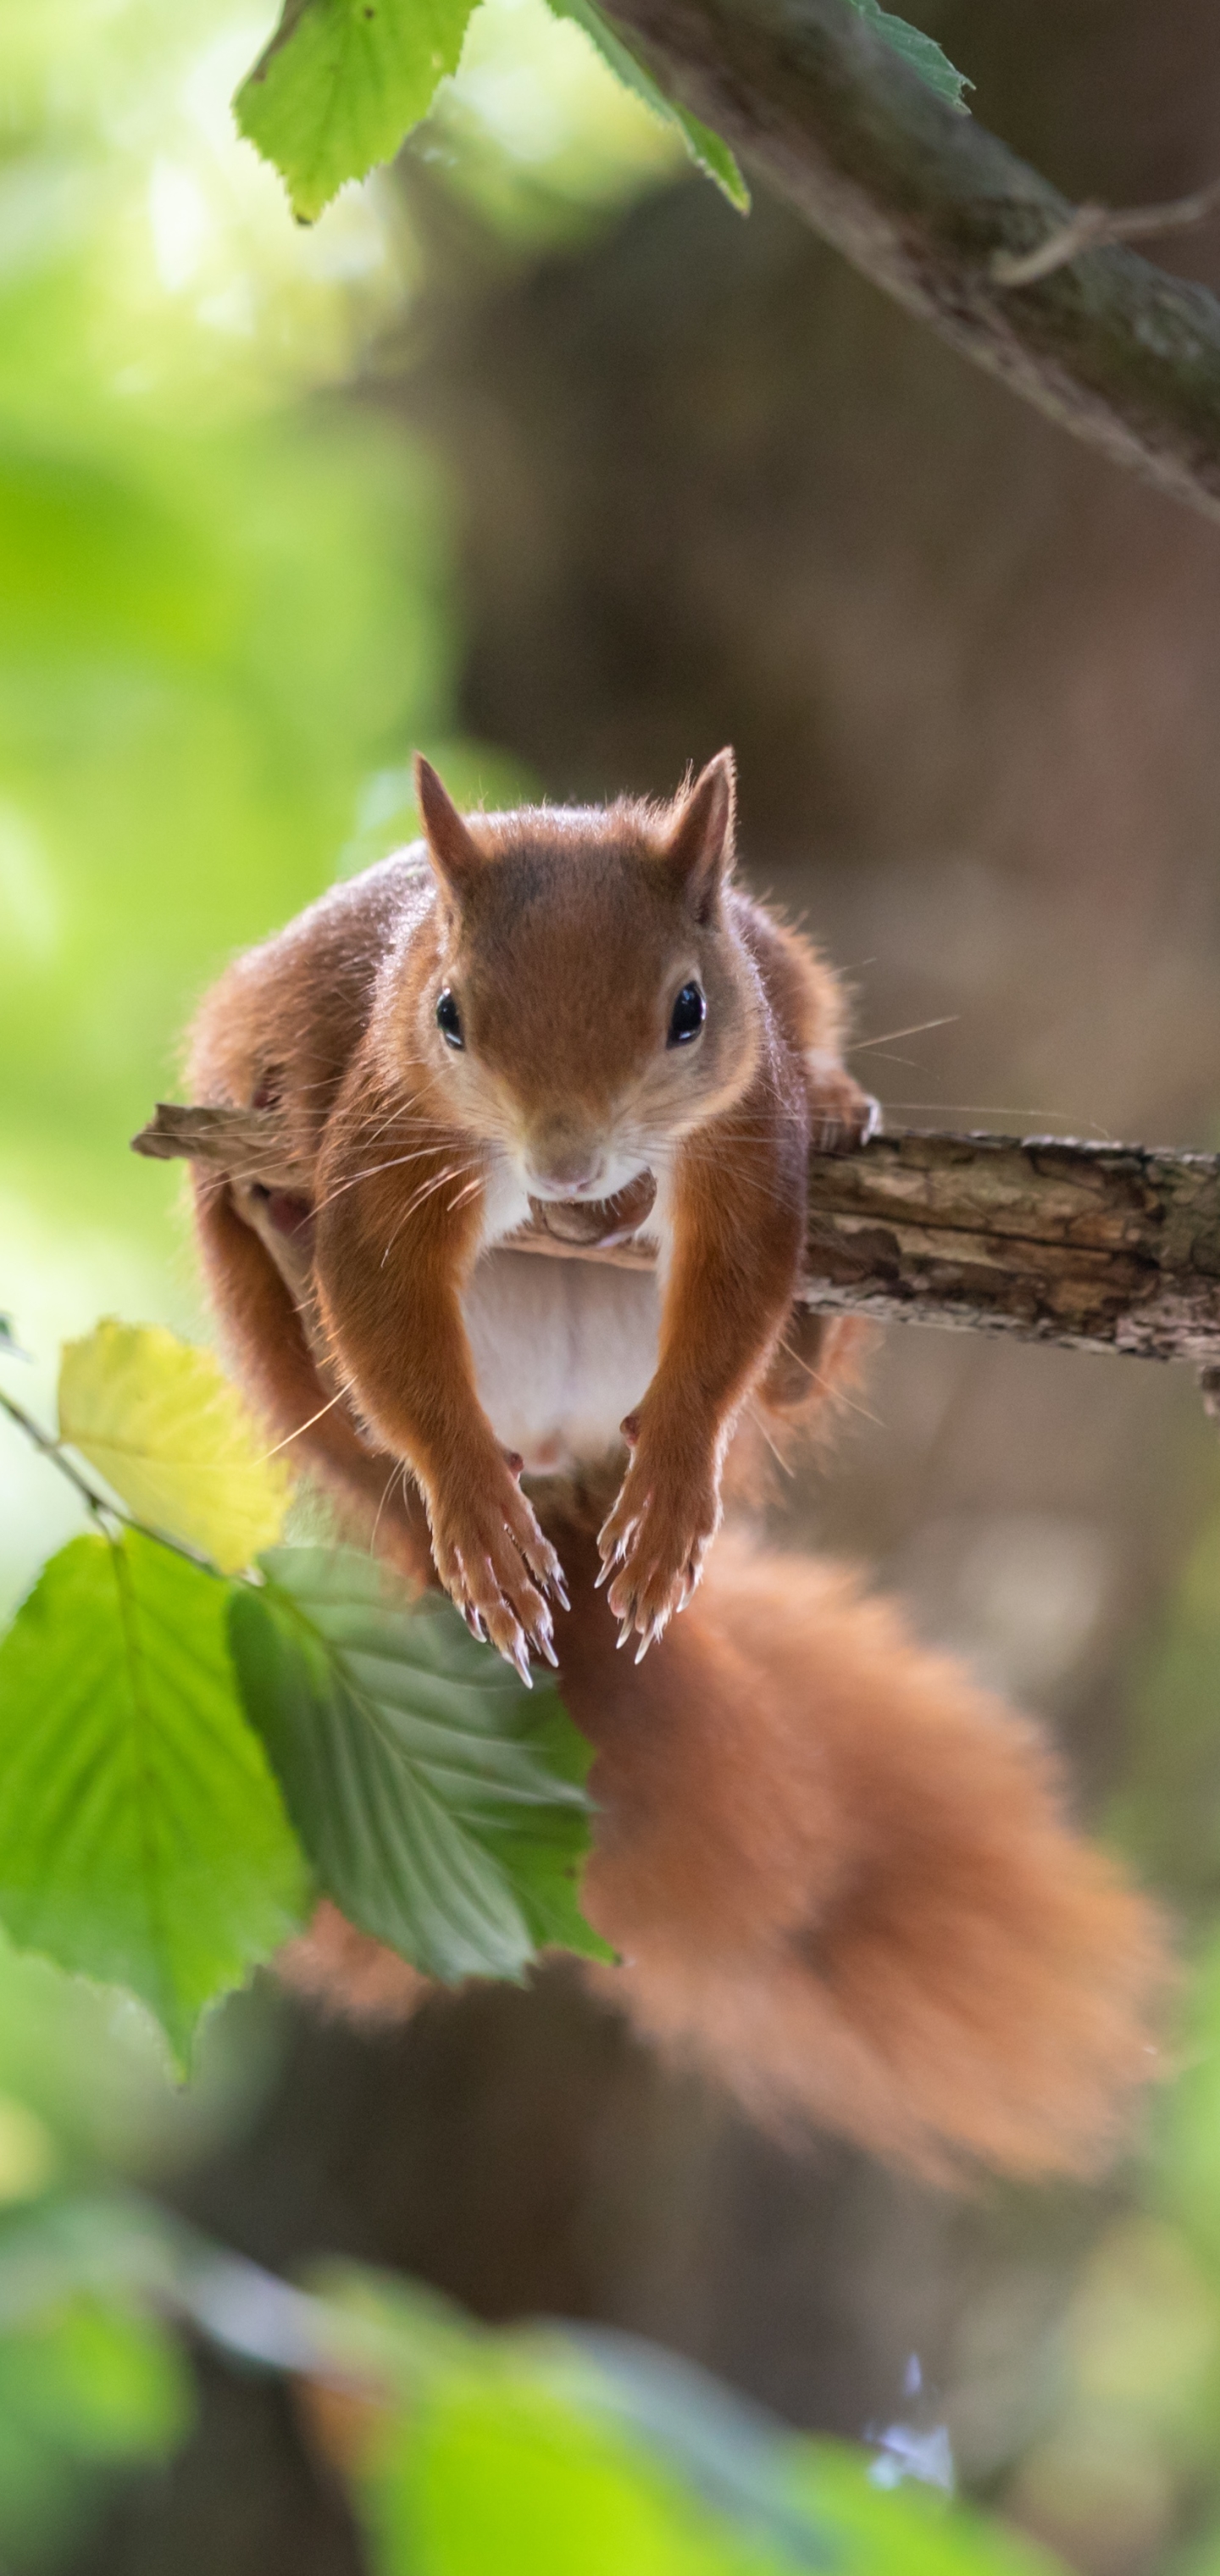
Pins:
x: 1095, y: 1247
x: 925, y: 201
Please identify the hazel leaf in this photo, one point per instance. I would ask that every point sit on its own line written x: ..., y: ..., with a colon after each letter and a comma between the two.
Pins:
x: 440, y: 1803
x: 341, y: 83
x: 709, y: 152
x: 143, y: 1840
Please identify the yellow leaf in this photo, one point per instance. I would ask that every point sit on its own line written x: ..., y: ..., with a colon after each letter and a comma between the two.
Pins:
x: 173, y: 1439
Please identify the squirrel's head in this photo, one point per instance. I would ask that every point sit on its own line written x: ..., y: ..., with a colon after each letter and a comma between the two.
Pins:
x: 590, y: 999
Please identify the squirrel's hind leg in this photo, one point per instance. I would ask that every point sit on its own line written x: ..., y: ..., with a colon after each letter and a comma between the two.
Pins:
x: 263, y: 1332
x: 816, y: 1362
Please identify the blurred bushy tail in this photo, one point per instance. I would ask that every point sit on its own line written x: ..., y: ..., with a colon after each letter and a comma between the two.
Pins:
x: 841, y: 1878
x: 841, y: 1881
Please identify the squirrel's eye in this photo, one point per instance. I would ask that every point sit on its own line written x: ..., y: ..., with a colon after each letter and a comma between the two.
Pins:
x: 449, y: 1020
x: 687, y: 1016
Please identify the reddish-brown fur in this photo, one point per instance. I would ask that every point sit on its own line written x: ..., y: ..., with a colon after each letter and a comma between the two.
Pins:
x: 839, y: 1876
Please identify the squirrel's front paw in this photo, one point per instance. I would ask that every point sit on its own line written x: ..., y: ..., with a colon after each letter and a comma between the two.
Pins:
x: 655, y: 1540
x: 493, y: 1559
x: 842, y: 1116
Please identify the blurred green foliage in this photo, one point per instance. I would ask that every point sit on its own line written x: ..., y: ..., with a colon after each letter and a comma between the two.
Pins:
x: 93, y: 2380
x: 87, y: 2386
x: 222, y: 600
x: 528, y: 2449
x: 1169, y: 1810
x: 541, y: 2450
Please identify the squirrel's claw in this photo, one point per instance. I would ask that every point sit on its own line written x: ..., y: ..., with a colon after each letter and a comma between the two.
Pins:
x: 656, y: 1629
x: 493, y: 1559
x: 653, y: 1545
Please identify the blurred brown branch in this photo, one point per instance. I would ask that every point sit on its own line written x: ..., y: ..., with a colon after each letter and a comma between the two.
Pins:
x: 926, y: 202
x: 1094, y: 1247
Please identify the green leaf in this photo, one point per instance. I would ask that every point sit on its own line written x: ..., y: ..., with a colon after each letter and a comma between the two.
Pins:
x: 440, y: 1803
x: 922, y: 52
x: 707, y: 150
x: 341, y: 83
x: 143, y: 1841
x: 160, y: 1421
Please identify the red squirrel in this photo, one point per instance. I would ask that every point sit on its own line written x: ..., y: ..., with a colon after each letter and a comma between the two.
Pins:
x: 837, y: 1875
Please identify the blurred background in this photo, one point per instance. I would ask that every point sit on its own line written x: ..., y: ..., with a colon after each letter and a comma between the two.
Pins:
x: 534, y: 453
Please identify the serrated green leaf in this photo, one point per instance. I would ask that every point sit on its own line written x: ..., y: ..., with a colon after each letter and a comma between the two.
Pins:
x: 341, y: 83
x: 707, y: 150
x: 922, y: 52
x: 440, y: 1803
x: 161, y: 1422
x: 143, y: 1840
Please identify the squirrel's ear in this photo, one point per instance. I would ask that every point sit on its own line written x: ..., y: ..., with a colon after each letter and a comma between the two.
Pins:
x: 699, y: 848
x: 454, y: 852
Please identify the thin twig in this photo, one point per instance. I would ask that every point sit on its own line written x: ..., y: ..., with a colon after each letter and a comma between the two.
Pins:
x: 1092, y: 225
x: 99, y: 1506
x: 49, y: 1448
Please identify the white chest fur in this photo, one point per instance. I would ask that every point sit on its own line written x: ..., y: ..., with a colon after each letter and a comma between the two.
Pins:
x: 562, y: 1349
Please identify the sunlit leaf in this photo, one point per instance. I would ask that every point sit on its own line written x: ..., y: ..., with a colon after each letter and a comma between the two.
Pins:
x: 161, y: 1422
x: 341, y: 83
x: 707, y: 150
x: 922, y: 52
x: 440, y: 1802
x: 143, y: 1841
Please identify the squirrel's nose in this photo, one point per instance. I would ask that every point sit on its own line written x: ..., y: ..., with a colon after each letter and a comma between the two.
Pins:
x: 561, y: 1166
x: 564, y: 1181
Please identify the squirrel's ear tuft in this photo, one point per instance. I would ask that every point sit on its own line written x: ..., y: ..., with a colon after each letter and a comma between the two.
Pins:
x: 700, y: 847
x: 454, y: 852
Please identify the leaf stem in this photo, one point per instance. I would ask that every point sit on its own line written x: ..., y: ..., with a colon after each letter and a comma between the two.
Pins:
x: 99, y: 1506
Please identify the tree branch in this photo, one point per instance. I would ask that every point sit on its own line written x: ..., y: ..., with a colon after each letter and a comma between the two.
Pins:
x: 1094, y: 1247
x: 930, y: 206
